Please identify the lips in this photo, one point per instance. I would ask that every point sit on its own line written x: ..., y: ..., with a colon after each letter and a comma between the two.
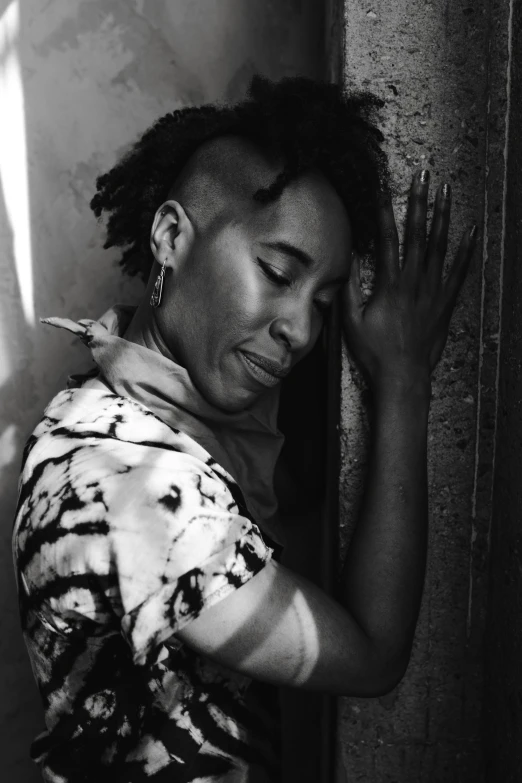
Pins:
x: 274, y: 368
x: 258, y: 373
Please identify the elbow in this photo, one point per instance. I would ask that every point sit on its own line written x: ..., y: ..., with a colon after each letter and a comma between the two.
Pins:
x: 389, y: 679
x: 391, y: 666
x: 380, y: 677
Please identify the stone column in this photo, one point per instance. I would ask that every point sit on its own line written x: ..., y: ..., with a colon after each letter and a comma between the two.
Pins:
x: 442, y: 68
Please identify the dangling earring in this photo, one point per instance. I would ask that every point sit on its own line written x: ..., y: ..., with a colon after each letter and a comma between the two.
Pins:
x: 155, y: 299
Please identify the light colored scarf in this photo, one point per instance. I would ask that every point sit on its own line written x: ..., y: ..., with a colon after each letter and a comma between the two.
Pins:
x: 247, y: 444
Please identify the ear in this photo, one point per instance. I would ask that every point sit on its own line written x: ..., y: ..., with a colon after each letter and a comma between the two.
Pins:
x: 172, y: 234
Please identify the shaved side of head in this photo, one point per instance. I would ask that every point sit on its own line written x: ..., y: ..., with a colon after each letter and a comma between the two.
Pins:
x: 212, y: 157
x: 218, y: 182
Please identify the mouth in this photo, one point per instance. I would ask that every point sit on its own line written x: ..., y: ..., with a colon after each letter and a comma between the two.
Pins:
x: 258, y: 373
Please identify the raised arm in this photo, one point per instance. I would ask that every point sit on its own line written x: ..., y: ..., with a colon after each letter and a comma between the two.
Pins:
x: 281, y: 628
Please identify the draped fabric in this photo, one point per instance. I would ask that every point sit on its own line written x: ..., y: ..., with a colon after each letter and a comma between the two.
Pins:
x: 247, y: 443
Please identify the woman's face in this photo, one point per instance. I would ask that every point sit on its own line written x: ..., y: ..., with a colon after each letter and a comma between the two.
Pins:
x: 254, y: 289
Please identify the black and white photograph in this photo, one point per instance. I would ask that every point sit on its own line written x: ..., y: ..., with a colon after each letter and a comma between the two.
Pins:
x: 261, y: 391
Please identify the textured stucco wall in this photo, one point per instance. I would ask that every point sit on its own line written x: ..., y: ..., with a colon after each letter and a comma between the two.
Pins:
x: 503, y: 702
x: 441, y: 66
x: 79, y: 80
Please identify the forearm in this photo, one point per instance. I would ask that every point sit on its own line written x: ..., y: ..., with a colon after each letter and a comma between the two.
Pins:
x: 383, y: 574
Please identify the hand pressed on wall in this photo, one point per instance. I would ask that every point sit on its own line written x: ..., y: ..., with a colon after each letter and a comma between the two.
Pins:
x: 400, y: 333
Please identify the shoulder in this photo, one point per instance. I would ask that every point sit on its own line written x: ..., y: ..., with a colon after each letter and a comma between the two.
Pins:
x: 98, y: 425
x: 106, y: 480
x: 99, y: 453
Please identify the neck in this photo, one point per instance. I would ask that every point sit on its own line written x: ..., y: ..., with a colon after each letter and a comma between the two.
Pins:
x: 143, y: 330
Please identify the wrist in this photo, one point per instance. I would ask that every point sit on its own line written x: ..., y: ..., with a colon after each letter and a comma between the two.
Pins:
x: 412, y: 388
x: 410, y: 378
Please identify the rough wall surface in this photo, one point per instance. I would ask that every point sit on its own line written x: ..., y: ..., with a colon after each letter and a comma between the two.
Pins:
x: 503, y: 702
x: 441, y: 66
x: 79, y: 80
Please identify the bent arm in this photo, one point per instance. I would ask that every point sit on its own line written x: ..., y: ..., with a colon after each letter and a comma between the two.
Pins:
x: 281, y: 628
x: 383, y: 574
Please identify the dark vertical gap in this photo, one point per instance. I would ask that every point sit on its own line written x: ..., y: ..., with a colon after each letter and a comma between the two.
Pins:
x: 334, y: 37
x: 502, y: 711
x: 309, y: 418
x: 330, y: 523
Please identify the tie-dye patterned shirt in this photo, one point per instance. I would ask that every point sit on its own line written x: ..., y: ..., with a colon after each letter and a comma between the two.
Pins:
x: 125, y: 531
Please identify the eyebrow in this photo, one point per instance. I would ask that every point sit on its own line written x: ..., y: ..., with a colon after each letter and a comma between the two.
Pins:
x: 300, y: 255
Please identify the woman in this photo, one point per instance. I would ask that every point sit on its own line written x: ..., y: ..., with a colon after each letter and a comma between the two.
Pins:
x: 146, y: 539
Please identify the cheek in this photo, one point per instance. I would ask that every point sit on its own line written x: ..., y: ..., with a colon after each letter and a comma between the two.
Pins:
x: 235, y: 315
x: 226, y: 295
x: 240, y: 301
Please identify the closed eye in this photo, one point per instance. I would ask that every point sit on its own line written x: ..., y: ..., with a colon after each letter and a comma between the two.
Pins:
x: 269, y: 272
x: 322, y: 307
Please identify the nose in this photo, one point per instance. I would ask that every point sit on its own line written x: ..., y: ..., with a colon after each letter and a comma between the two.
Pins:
x: 295, y: 328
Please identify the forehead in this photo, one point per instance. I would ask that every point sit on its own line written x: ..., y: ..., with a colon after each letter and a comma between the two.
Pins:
x: 310, y: 216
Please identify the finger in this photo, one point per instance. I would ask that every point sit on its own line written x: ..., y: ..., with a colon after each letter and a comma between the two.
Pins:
x: 415, y: 245
x: 438, y: 242
x: 388, y: 240
x: 352, y: 294
x: 460, y: 267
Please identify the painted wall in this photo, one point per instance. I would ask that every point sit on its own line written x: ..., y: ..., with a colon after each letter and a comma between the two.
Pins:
x: 442, y: 68
x: 79, y: 80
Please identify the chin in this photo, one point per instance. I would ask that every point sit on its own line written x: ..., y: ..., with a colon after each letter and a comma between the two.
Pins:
x: 227, y: 399
x: 236, y: 403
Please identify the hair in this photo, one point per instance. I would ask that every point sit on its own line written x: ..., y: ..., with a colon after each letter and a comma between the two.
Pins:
x: 307, y: 124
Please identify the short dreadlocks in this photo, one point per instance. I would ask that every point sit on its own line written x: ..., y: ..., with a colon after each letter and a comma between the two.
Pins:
x: 305, y: 123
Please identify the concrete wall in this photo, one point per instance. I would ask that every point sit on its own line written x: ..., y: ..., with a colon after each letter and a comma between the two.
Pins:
x: 442, y: 67
x: 79, y: 80
x: 503, y: 703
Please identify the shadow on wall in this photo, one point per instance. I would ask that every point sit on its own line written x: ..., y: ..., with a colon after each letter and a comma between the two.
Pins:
x: 79, y: 81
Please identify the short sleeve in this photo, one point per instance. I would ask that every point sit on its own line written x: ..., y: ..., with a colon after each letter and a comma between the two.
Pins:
x: 179, y: 545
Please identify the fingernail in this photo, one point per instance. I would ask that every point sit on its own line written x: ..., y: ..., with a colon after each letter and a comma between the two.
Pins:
x: 424, y: 176
x: 446, y: 190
